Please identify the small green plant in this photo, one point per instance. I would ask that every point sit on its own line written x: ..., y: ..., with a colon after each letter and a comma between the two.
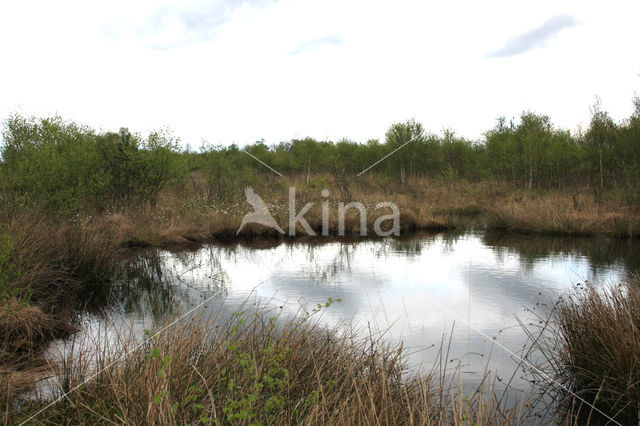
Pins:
x: 156, y: 354
x: 319, y: 307
x: 264, y: 379
x: 267, y: 379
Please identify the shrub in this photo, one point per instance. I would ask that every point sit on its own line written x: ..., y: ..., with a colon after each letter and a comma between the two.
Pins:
x: 65, y: 168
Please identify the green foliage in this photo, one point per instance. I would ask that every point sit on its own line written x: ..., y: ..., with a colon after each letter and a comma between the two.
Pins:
x: 320, y: 307
x: 532, y: 153
x: 159, y: 163
x: 267, y: 380
x: 529, y: 153
x: 260, y: 381
x: 227, y: 171
x: 63, y: 167
x: 66, y: 168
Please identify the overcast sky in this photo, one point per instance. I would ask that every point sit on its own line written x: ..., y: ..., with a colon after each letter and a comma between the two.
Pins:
x: 229, y: 71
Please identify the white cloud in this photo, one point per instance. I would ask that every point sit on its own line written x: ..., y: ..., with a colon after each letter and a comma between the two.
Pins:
x: 536, y: 37
x: 316, y: 43
x: 173, y: 25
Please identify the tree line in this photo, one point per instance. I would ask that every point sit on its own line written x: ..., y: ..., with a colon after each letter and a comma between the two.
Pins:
x: 65, y: 167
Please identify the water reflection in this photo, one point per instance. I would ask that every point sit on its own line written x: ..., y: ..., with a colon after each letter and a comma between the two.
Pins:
x: 602, y: 253
x: 415, y: 289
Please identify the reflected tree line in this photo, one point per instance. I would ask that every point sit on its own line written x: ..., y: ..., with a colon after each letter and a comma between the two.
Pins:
x: 153, y: 282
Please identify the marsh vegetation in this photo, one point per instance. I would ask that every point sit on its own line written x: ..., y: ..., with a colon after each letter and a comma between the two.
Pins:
x: 75, y: 202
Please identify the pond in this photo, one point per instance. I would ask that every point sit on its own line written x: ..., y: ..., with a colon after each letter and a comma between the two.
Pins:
x: 465, y: 292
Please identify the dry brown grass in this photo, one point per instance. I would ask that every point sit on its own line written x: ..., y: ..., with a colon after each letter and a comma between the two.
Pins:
x: 424, y: 204
x: 180, y: 218
x: 24, y: 330
x: 555, y: 214
x: 183, y: 216
x: 21, y: 324
x: 58, y: 253
x: 58, y: 265
x: 251, y: 370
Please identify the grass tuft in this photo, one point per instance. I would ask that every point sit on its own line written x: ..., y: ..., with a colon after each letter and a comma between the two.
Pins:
x: 554, y: 215
x: 593, y: 351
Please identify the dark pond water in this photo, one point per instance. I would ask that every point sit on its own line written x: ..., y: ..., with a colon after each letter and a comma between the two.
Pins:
x: 470, y: 287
